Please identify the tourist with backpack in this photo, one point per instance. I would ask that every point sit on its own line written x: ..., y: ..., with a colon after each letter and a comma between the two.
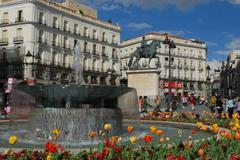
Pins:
x: 238, y: 106
x: 230, y: 106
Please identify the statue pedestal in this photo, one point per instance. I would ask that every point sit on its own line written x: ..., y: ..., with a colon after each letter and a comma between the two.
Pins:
x: 146, y: 82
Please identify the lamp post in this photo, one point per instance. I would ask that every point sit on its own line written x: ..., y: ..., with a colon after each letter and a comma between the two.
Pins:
x: 37, y: 57
x: 208, y: 81
x: 171, y: 45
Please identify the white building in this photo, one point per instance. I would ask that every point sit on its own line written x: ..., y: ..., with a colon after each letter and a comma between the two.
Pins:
x: 49, y: 32
x: 188, y: 66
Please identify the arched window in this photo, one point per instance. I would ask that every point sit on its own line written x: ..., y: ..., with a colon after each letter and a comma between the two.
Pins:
x: 55, y: 58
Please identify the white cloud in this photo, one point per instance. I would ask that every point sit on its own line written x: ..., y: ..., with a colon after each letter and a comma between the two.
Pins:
x: 234, y: 1
x: 110, y: 7
x: 234, y: 44
x: 139, y: 26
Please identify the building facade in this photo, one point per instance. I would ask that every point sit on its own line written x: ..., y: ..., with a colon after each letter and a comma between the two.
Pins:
x: 230, y: 75
x: 37, y: 39
x: 188, y: 63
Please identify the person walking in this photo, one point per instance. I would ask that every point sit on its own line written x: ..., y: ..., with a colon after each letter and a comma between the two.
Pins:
x: 219, y: 107
x: 193, y: 102
x: 157, y: 104
x: 173, y: 105
x: 184, y: 101
x: 140, y: 104
x: 238, y: 106
x: 230, y: 107
x: 213, y: 101
x: 145, y: 105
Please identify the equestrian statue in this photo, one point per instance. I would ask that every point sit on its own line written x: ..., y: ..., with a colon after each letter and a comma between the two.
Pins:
x: 145, y: 51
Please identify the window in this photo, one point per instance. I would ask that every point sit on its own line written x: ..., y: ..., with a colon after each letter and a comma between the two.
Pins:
x: 55, y: 41
x: 5, y: 36
x: 65, y: 27
x: 55, y: 22
x: 75, y: 29
x: 114, y: 54
x: 65, y: 42
x: 41, y: 18
x: 19, y: 32
x: 85, y: 47
x: 103, y: 50
x: 85, y: 32
x: 5, y: 18
x: 55, y: 58
x: 103, y: 37
x: 19, y: 16
x: 94, y: 34
x: 94, y: 48
x: 114, y: 41
x: 41, y: 36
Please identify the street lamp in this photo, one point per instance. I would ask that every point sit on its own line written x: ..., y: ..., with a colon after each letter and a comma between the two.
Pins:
x: 171, y: 45
x: 37, y: 57
x: 208, y: 81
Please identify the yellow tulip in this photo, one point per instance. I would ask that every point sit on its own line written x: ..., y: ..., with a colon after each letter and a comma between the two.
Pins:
x: 107, y: 126
x: 159, y: 132
x: 56, y: 132
x: 49, y: 157
x: 12, y: 140
x: 133, y: 139
x: 199, y: 124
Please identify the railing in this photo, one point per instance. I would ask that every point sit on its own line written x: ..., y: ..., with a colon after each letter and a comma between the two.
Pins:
x: 57, y: 26
x: 179, y: 67
x: 66, y: 29
x: 3, y: 41
x: 19, y: 19
x: 4, y: 21
x: 185, y: 67
x: 18, y: 39
x: 86, y: 35
x: 200, y: 69
x: 56, y: 44
x: 192, y: 68
x: 42, y: 40
x: 42, y: 21
x: 66, y: 46
x: 114, y: 42
x: 104, y: 39
x: 95, y: 37
x: 104, y: 55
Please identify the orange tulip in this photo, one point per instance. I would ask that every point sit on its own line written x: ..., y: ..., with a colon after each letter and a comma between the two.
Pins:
x: 222, y: 133
x: 237, y: 136
x: 162, y: 139
x: 130, y: 129
x: 200, y: 152
x: 159, y: 132
x: 153, y: 129
x: 92, y: 134
x: 228, y: 136
x: 194, y: 131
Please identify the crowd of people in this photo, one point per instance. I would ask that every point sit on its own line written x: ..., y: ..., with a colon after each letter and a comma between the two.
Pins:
x: 215, y: 103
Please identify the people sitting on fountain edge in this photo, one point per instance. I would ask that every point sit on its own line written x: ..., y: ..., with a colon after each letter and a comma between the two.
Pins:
x: 145, y: 105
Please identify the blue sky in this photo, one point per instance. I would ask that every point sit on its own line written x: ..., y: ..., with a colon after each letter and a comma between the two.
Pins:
x: 217, y: 22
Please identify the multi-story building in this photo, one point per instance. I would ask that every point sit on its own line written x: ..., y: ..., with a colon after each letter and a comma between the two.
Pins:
x: 214, y: 76
x: 188, y: 63
x: 230, y: 75
x: 37, y: 39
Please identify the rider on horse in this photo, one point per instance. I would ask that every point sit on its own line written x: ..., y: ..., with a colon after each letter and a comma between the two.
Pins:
x: 143, y: 44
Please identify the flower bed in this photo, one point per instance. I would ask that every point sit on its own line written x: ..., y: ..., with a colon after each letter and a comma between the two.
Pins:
x: 226, y: 146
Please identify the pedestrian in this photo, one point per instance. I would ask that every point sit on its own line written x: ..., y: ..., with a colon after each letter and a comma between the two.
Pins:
x: 173, y: 105
x: 184, y: 101
x: 213, y: 101
x: 219, y: 105
x: 145, y: 105
x: 238, y: 106
x: 157, y: 104
x: 230, y: 106
x: 193, y: 102
x: 140, y: 104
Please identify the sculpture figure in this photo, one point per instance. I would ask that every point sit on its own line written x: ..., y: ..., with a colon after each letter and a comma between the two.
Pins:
x: 145, y: 51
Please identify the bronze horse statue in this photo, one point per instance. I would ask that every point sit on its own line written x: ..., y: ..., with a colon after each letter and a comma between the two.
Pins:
x: 148, y: 52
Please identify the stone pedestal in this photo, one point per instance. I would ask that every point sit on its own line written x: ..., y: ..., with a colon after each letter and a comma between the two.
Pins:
x: 146, y: 82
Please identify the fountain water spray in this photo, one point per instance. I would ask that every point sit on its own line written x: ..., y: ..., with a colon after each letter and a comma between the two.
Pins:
x: 77, y: 64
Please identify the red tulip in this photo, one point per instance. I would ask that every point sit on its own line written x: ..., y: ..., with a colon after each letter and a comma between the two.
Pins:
x: 148, y: 138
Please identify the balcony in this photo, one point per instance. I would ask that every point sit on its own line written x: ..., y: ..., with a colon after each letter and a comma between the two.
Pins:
x: 66, y: 29
x: 86, y: 68
x: 114, y: 42
x: 56, y: 26
x: 104, y: 55
x: 173, y: 66
x: 192, y: 68
x: 4, y: 21
x: 3, y: 41
x: 95, y: 38
x: 185, y: 67
x: 18, y: 39
x: 179, y: 67
x: 42, y: 21
x: 200, y: 69
x: 56, y: 44
x: 104, y: 39
x: 19, y: 20
x: 86, y: 35
x: 66, y: 46
x: 42, y: 40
